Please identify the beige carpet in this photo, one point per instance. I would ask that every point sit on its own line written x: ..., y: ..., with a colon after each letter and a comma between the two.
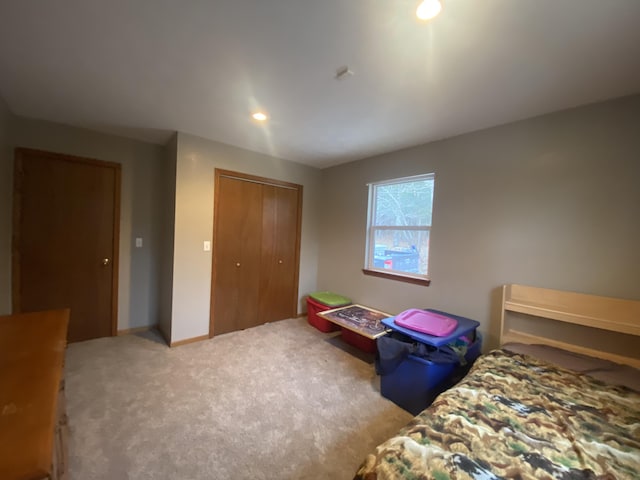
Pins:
x: 280, y: 401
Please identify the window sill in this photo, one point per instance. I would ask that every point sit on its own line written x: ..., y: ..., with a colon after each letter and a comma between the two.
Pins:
x: 397, y: 276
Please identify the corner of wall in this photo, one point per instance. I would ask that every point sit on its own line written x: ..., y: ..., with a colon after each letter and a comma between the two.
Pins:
x: 168, y: 199
x: 6, y: 201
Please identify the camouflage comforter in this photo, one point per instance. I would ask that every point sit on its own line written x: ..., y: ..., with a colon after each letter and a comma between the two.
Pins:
x: 516, y: 417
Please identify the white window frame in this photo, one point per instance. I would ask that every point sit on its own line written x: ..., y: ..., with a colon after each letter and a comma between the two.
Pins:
x: 369, y: 268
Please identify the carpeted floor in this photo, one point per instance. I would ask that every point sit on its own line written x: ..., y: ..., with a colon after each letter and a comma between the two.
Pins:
x: 280, y: 401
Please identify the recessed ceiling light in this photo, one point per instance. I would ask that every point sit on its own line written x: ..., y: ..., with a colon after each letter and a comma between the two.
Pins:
x: 259, y: 116
x: 428, y: 9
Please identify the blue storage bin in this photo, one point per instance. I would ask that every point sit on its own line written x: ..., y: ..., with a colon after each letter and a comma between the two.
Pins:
x: 415, y: 383
x: 465, y: 327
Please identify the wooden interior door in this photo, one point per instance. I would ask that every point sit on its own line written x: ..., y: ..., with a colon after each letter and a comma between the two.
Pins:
x: 279, y: 279
x: 256, y: 251
x: 65, y: 242
x: 236, y: 254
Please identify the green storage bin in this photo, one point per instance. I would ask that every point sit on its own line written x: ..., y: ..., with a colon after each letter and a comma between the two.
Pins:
x: 330, y: 299
x: 320, y: 302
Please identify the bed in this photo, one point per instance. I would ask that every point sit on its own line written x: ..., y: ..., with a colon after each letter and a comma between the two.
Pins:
x: 566, y: 406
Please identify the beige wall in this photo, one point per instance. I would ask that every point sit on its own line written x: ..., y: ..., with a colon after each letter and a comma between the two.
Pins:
x: 140, y: 209
x: 6, y: 189
x: 552, y: 201
x: 197, y: 159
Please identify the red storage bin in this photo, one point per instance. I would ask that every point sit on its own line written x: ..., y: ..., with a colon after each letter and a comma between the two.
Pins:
x: 320, y: 323
x: 315, y: 305
x: 359, y: 341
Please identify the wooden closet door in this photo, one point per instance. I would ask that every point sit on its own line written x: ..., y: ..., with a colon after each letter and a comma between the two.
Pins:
x: 278, y: 275
x: 237, y: 252
x: 256, y: 253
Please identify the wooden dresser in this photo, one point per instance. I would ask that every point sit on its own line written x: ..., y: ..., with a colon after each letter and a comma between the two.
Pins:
x: 33, y: 423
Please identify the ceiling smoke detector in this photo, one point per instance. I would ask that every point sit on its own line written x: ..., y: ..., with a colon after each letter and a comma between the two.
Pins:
x: 343, y: 72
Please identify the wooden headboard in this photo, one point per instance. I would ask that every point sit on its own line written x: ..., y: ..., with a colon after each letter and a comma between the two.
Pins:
x: 604, y: 326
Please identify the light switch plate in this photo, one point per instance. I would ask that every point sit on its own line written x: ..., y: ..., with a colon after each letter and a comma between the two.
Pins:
x: 139, y: 242
x: 207, y: 245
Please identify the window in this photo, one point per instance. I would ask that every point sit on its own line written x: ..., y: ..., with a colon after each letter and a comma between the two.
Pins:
x: 398, y: 228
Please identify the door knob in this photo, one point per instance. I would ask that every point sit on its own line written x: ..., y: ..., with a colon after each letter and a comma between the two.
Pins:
x: 238, y: 264
x: 105, y: 262
x: 280, y: 262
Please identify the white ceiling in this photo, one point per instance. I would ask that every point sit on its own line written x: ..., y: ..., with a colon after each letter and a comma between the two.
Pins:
x: 145, y: 68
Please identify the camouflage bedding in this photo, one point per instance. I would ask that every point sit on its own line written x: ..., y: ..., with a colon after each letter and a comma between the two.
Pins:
x: 517, y: 417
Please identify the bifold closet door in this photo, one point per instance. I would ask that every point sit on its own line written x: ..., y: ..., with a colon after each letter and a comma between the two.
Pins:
x: 278, y: 278
x: 237, y: 255
x: 256, y: 251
